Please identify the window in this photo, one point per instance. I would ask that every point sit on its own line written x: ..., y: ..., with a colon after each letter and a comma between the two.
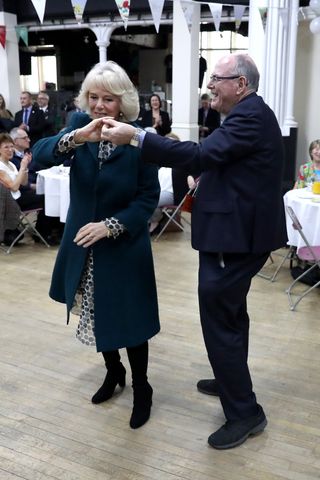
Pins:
x: 214, y: 45
x: 43, y: 70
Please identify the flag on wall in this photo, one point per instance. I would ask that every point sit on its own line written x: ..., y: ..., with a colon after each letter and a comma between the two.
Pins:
x: 78, y: 8
x: 40, y: 6
x: 3, y: 35
x: 238, y: 14
x: 216, y: 12
x: 156, y: 7
x: 263, y: 14
x: 124, y: 10
x: 22, y: 32
x: 188, y: 13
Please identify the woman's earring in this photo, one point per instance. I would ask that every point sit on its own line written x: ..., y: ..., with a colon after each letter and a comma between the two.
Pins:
x: 120, y: 115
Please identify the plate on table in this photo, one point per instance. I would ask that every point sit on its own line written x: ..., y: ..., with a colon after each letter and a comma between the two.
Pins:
x: 304, y: 193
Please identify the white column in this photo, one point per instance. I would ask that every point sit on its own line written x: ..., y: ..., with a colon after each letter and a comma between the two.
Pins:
x: 257, y: 40
x: 103, y: 34
x: 280, y: 57
x: 185, y: 73
x: 289, y: 120
x: 9, y: 63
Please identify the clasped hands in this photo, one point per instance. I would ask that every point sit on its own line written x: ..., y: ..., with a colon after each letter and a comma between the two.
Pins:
x: 107, y: 129
x: 119, y: 133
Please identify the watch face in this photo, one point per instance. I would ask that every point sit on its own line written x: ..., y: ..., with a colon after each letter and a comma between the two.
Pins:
x: 134, y: 142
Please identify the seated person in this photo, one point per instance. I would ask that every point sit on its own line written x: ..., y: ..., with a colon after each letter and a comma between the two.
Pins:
x: 9, y: 216
x: 14, y: 179
x: 309, y: 170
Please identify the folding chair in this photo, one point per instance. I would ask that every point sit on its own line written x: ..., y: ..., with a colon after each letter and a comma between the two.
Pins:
x: 9, y: 213
x: 171, y: 212
x: 288, y: 256
x: 27, y: 222
x: 309, y: 254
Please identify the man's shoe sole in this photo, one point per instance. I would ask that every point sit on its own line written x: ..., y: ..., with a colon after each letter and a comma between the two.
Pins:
x: 257, y: 429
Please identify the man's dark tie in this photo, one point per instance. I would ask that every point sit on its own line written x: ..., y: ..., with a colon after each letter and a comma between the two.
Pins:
x: 25, y: 116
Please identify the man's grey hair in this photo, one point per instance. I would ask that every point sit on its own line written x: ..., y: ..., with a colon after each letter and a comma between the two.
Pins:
x: 246, y: 67
x: 14, y: 133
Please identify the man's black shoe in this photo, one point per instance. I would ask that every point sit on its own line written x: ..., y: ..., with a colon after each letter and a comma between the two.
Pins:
x: 208, y: 386
x: 235, y: 432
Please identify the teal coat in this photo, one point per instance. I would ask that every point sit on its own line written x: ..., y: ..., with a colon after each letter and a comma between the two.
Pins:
x: 125, y: 297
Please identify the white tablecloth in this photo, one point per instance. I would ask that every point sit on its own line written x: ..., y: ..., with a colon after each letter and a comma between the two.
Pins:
x: 53, y: 183
x: 307, y: 210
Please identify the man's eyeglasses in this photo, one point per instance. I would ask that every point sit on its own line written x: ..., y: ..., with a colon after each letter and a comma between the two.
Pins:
x: 216, y: 78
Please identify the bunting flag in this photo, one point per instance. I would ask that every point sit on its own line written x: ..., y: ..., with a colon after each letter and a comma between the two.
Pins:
x: 263, y: 14
x: 22, y: 32
x: 156, y: 7
x: 3, y: 35
x: 238, y: 14
x: 188, y: 12
x: 284, y: 16
x: 78, y: 8
x: 124, y: 10
x: 216, y: 12
x: 40, y: 6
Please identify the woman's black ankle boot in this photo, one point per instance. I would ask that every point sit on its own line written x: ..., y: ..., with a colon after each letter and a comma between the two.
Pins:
x: 113, y: 378
x: 142, y: 401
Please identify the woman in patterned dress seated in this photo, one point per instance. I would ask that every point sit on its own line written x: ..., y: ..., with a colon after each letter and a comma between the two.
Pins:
x: 308, y: 171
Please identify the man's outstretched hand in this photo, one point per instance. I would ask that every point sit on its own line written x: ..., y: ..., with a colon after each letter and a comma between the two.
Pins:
x: 117, y: 132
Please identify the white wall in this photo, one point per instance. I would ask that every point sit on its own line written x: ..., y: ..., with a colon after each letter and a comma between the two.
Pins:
x: 307, y: 86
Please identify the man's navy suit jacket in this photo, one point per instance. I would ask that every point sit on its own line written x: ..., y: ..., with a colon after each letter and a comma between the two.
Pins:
x: 36, y: 123
x: 238, y: 206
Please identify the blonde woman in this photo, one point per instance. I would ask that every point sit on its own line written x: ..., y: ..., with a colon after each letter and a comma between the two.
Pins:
x: 104, y: 269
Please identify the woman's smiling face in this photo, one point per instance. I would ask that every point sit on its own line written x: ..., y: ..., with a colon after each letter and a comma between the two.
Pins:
x: 103, y: 104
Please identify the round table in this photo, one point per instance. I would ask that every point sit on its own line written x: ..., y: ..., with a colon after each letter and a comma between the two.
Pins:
x: 53, y: 183
x: 306, y: 206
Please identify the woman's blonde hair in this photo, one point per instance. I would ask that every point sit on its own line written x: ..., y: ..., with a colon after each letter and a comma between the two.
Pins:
x: 111, y: 77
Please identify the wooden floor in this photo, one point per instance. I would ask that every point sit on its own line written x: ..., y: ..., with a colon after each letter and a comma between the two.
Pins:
x: 50, y: 430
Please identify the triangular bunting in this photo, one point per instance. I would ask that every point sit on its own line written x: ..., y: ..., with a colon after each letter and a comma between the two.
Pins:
x: 40, y: 6
x: 156, y: 7
x: 238, y: 14
x: 124, y: 10
x: 78, y: 8
x: 263, y: 14
x: 3, y: 35
x: 284, y: 16
x: 216, y: 12
x: 22, y: 32
x: 188, y: 9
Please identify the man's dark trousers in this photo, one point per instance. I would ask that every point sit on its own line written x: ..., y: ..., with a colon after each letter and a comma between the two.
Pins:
x: 225, y: 325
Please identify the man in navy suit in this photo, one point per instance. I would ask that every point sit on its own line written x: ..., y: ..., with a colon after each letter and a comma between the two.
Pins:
x: 30, y: 118
x: 237, y: 220
x: 208, y: 119
x: 48, y: 112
